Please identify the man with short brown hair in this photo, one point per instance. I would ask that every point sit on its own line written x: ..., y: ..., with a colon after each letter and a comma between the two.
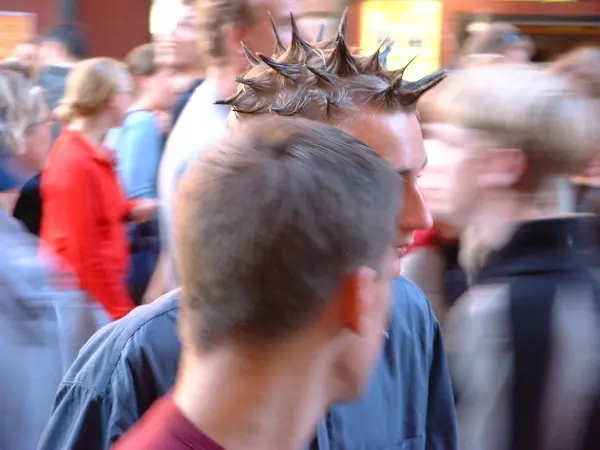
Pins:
x: 286, y: 315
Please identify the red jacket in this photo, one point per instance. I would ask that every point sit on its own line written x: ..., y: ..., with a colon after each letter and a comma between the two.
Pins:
x: 83, y: 219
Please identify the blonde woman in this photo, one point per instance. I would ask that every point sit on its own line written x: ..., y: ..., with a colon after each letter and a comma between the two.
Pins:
x: 44, y: 320
x: 523, y: 341
x: 85, y: 211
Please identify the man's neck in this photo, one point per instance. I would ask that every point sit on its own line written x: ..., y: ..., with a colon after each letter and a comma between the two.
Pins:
x: 272, y: 401
x: 186, y: 77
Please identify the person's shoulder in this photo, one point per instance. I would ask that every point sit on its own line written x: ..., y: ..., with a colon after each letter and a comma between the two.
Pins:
x: 145, y: 338
x: 409, y: 299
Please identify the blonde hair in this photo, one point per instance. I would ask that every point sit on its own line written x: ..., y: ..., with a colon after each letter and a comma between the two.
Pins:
x: 17, y: 107
x: 213, y: 16
x: 90, y: 85
x: 521, y: 106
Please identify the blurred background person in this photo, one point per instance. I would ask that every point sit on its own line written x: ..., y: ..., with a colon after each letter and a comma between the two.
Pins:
x: 139, y: 146
x: 60, y: 49
x: 179, y: 50
x: 496, y: 42
x: 84, y: 209
x: 28, y: 207
x: 523, y: 341
x: 432, y: 260
x: 44, y: 319
x: 28, y: 54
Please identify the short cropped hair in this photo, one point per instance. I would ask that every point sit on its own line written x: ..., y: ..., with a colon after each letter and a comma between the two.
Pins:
x: 72, y: 38
x: 323, y: 81
x: 140, y: 61
x: 269, y: 223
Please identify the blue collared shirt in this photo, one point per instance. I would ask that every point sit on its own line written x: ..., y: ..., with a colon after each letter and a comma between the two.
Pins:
x: 130, y: 363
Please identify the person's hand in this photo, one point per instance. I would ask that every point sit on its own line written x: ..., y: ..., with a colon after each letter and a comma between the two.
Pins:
x: 143, y: 211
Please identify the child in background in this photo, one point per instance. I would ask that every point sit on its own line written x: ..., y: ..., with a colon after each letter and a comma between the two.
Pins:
x: 139, y: 144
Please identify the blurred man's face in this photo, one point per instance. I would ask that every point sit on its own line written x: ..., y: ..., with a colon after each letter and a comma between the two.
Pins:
x: 397, y: 138
x: 450, y: 182
x: 179, y: 47
x: 27, y: 54
x: 185, y: 37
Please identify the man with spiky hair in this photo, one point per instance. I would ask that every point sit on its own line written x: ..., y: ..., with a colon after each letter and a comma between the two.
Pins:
x: 409, y: 401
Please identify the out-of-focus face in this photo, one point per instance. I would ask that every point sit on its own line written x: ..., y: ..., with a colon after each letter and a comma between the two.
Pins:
x: 450, y: 182
x: 185, y: 38
x: 397, y: 138
x: 27, y: 54
x: 38, y: 137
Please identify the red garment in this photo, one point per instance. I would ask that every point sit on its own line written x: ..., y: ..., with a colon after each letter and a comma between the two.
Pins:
x: 165, y: 427
x: 83, y: 219
x: 424, y: 239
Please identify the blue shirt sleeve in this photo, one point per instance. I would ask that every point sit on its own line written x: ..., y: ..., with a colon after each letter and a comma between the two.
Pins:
x: 139, y: 149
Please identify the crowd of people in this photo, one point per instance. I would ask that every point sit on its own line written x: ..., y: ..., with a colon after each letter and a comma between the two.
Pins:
x: 243, y: 236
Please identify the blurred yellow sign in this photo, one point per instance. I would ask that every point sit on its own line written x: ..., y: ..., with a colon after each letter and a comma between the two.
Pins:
x: 15, y: 28
x: 415, y: 27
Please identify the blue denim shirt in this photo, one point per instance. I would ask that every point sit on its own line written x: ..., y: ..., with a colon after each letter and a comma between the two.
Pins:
x: 130, y: 363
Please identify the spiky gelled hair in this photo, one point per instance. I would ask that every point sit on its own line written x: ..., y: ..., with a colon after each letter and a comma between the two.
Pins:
x: 322, y: 81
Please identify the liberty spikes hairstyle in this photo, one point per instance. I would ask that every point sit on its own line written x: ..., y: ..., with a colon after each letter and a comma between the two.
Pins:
x: 322, y: 81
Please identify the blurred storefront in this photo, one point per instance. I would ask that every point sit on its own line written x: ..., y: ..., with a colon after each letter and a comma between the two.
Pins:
x: 114, y: 26
x: 434, y: 30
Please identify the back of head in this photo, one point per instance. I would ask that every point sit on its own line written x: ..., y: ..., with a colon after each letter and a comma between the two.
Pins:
x: 270, y: 222
x: 527, y: 108
x: 324, y: 81
x: 71, y: 38
x: 140, y: 61
x: 90, y: 85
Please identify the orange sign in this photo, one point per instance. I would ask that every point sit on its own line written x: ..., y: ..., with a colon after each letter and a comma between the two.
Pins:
x: 15, y: 27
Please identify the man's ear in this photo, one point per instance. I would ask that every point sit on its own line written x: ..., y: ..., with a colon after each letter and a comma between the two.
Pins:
x: 356, y: 298
x: 502, y: 167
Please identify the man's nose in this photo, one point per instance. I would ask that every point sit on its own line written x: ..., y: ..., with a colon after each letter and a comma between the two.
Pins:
x: 415, y: 215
